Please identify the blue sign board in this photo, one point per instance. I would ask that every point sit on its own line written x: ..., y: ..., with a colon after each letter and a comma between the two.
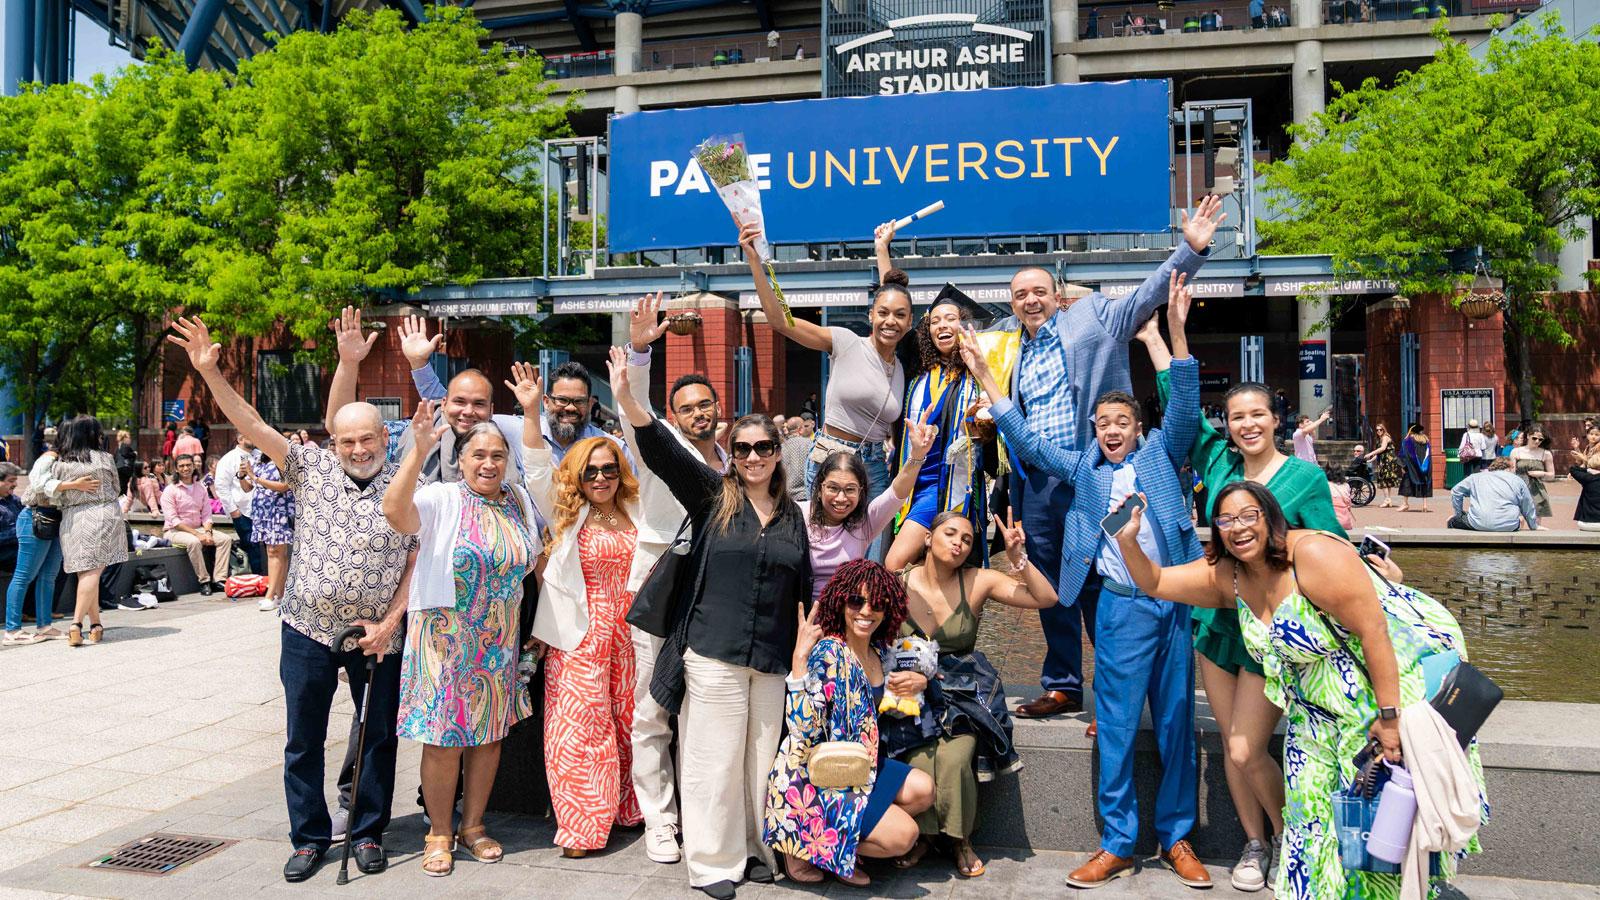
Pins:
x: 172, y: 410
x: 1313, y: 360
x: 1064, y: 158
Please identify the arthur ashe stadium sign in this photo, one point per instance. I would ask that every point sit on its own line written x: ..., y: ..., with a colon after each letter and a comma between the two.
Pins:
x: 923, y: 46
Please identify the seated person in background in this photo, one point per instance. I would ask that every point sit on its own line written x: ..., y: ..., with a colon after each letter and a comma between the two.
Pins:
x: 186, y: 506
x: 1500, y: 500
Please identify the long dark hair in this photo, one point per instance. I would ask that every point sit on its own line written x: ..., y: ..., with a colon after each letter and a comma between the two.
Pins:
x: 733, y: 491
x: 841, y: 461
x: 1277, y: 526
x: 884, y: 592
x: 928, y: 353
x: 78, y: 437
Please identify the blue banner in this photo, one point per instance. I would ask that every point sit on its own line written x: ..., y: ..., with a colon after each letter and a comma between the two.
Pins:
x: 1064, y: 158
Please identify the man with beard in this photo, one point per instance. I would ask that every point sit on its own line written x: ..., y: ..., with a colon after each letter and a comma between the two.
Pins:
x: 469, y: 399
x: 694, y: 410
x: 348, y: 568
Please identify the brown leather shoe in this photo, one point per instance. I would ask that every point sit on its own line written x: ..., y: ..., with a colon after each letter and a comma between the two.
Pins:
x: 1101, y: 869
x: 1181, y: 859
x: 1050, y: 703
x: 1093, y: 730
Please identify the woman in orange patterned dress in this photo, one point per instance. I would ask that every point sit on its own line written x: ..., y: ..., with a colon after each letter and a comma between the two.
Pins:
x: 591, y: 501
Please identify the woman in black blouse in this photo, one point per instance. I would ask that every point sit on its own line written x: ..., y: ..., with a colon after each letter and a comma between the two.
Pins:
x: 732, y: 634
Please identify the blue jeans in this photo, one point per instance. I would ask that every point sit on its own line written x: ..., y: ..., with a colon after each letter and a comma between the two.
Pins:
x: 252, y: 550
x: 38, y: 563
x: 1143, y: 654
x: 877, y: 463
x: 1041, y: 502
x: 310, y: 674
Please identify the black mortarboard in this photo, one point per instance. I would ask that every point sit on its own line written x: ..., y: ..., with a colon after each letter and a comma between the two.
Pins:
x: 952, y: 294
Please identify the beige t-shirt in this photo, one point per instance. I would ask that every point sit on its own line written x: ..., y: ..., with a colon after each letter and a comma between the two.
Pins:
x: 864, y: 394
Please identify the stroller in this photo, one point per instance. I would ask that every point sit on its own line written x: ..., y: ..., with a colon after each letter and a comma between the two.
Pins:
x: 1358, y: 477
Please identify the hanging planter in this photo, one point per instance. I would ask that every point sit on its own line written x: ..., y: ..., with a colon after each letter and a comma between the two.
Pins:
x: 1481, y: 298
x: 684, y: 323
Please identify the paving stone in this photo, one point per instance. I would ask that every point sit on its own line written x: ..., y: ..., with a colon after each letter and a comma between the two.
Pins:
x: 77, y: 784
x: 75, y: 823
x: 17, y: 807
x: 158, y: 792
x: 152, y: 760
x: 212, y: 738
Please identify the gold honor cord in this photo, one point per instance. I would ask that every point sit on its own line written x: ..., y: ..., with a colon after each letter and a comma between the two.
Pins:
x: 772, y: 279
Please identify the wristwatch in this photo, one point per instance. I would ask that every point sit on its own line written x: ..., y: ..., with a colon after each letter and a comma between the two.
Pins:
x: 1388, y: 713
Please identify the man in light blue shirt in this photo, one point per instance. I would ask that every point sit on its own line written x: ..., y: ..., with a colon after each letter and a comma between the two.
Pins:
x: 1500, y: 500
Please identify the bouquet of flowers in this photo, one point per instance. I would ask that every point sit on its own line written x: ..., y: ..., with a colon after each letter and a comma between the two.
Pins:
x: 724, y: 160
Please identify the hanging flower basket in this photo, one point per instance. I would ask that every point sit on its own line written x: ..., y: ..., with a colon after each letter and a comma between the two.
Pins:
x: 684, y: 323
x: 1481, y: 298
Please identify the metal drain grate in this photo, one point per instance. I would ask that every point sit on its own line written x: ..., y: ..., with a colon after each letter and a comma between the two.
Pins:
x: 159, y: 853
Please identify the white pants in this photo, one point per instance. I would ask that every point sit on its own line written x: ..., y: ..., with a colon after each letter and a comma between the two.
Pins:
x: 197, y: 556
x: 728, y: 737
x: 653, y: 776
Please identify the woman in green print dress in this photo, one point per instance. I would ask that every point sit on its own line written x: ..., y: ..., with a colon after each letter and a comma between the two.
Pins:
x: 1290, y: 590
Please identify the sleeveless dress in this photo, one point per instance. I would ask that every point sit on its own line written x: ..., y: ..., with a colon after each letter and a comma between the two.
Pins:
x: 458, y: 679
x: 948, y: 760
x: 588, y: 703
x: 269, y: 510
x: 94, y: 533
x: 1386, y: 474
x: 1541, y: 497
x: 1329, y: 705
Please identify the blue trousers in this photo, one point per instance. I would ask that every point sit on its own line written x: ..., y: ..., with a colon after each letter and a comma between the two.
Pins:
x: 253, y: 553
x: 1143, y: 654
x: 310, y: 674
x: 1041, y: 502
x: 38, y: 564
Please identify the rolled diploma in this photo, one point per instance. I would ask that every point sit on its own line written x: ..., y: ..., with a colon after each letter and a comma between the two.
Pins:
x: 928, y: 210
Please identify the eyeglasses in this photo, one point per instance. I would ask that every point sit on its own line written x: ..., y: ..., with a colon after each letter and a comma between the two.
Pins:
x: 762, y: 449
x: 840, y: 490
x: 606, y: 472
x: 1247, y: 518
x: 703, y: 406
x: 572, y: 402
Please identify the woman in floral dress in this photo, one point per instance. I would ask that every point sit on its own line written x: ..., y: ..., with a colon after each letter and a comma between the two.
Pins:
x: 1342, y: 651
x: 458, y: 687
x: 834, y: 686
x: 271, y: 503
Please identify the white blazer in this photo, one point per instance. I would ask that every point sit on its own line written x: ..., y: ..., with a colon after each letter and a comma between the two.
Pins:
x: 562, y: 618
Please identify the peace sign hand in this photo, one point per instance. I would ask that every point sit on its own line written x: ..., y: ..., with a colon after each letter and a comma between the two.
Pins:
x: 643, y: 325
x: 193, y: 336
x: 920, y: 435
x: 1016, y: 541
x: 807, y: 634
x: 527, y: 387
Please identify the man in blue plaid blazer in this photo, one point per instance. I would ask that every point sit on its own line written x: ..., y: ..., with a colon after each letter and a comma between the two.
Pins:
x: 1142, y: 646
x: 1068, y: 358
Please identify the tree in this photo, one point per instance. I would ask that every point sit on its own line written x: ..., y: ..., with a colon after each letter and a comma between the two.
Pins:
x: 1501, y: 153
x: 375, y: 158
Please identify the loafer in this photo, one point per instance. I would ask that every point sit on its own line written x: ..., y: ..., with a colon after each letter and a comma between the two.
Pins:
x: 1181, y: 860
x: 302, y: 865
x: 719, y: 890
x: 370, y: 858
x: 1050, y: 703
x: 205, y: 589
x: 1101, y: 869
x: 759, y: 872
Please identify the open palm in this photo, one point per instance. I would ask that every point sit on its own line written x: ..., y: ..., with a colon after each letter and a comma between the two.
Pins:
x: 1200, y: 228
x: 195, y: 338
x: 527, y: 387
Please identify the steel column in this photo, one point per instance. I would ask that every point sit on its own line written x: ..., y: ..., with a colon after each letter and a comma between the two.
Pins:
x: 197, y: 33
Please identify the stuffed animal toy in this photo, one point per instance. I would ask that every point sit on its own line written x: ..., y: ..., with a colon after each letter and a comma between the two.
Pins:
x: 909, y: 654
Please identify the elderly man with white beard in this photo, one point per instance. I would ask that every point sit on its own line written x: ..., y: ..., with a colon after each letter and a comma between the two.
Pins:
x: 348, y: 568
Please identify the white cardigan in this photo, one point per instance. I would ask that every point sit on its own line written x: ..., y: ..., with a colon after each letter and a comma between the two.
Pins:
x: 433, y: 581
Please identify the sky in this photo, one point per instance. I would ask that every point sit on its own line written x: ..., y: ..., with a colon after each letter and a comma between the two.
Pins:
x: 91, y: 54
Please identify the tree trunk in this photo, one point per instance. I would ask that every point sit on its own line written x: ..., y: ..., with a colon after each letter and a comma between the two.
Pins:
x: 1519, y: 360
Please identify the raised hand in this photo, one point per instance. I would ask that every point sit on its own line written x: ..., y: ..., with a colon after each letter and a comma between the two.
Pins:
x: 749, y: 234
x: 1150, y: 330
x: 883, y: 235
x: 622, y: 390
x: 424, y: 436
x: 352, y: 346
x: 195, y: 339
x: 807, y: 634
x: 920, y: 435
x: 972, y: 356
x: 645, y: 324
x: 1016, y: 541
x: 415, y: 343
x: 1129, y: 535
x: 1202, y: 227
x: 1180, y: 299
x: 527, y: 386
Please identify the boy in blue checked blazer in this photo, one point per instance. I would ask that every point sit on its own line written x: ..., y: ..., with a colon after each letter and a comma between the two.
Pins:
x: 1142, y: 649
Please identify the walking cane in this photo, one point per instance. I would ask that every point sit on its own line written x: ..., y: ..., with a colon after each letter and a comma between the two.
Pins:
x: 355, y: 632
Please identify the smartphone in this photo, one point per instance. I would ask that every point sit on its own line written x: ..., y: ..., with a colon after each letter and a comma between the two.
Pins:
x: 1371, y: 546
x: 1115, y: 521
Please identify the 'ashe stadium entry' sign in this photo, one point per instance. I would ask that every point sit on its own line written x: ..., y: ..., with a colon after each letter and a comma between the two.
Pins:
x: 1068, y: 158
x: 922, y: 46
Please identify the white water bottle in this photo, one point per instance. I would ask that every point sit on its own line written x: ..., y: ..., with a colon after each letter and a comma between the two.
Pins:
x: 1391, y: 827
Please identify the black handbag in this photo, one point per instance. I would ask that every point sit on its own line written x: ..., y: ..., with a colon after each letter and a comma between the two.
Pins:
x: 46, y: 523
x: 657, y: 598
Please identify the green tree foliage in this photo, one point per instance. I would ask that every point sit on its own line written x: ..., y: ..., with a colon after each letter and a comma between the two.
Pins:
x: 1501, y: 152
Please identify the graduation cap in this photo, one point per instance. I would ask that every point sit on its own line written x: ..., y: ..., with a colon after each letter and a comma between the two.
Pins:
x: 970, y: 308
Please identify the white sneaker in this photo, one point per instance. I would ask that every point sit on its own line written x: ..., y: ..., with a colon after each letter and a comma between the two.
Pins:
x: 267, y: 604
x: 661, y: 843
x: 1250, y: 872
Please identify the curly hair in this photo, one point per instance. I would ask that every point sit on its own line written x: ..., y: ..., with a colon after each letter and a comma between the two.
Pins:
x: 928, y: 353
x: 569, y: 483
x: 883, y: 591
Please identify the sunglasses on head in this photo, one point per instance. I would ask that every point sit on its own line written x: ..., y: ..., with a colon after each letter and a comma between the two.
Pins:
x: 762, y: 449
x: 607, y: 472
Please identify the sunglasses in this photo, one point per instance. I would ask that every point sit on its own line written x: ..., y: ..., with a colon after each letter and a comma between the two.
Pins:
x: 762, y: 449
x: 607, y: 472
x: 855, y: 604
x: 1247, y: 518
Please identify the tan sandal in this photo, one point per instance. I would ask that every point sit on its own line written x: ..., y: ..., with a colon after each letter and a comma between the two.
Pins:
x: 482, y: 848
x: 437, y: 848
x: 96, y: 633
x: 967, y: 861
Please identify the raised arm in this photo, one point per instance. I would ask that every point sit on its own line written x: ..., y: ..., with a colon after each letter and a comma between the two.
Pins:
x: 353, y: 348
x: 195, y: 339
x: 920, y: 436
x: 882, y: 237
x: 1121, y: 318
x: 1194, y: 583
x: 1311, y: 426
x: 806, y: 334
x: 419, y: 349
x: 538, y: 462
x: 400, y: 500
x: 684, y: 473
x: 1181, y: 427
x: 1026, y: 587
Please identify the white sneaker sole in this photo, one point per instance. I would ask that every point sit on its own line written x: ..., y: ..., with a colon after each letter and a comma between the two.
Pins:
x: 1246, y: 886
x: 665, y: 859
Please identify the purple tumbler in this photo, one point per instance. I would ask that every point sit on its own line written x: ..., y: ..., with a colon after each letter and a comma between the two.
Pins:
x: 1391, y: 827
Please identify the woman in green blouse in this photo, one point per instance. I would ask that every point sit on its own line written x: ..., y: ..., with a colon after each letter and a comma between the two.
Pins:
x: 1234, y: 683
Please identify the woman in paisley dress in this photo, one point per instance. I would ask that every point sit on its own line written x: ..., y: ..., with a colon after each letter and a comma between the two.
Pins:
x: 94, y: 533
x: 1342, y: 651
x: 271, y: 503
x: 591, y: 500
x: 834, y: 685
x: 458, y: 682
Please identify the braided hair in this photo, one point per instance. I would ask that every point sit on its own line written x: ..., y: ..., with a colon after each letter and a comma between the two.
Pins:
x: 882, y: 590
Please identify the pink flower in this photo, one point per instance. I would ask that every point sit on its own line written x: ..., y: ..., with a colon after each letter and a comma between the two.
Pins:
x: 727, y: 151
x: 802, y: 799
x: 819, y: 840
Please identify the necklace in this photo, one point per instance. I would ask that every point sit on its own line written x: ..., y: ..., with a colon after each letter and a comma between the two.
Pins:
x: 609, y: 519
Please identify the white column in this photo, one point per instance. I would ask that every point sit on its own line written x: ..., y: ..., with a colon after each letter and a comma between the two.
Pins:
x: 1575, y: 258
x: 1307, y: 84
x: 630, y: 43
x: 1064, y: 30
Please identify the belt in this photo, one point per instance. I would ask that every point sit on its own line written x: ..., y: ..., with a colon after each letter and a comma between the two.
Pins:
x: 841, y: 434
x: 1119, y: 589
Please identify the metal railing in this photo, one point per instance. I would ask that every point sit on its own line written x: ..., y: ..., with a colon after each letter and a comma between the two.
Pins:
x: 732, y: 50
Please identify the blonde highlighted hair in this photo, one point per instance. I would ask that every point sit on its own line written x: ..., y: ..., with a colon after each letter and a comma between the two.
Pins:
x: 569, y: 483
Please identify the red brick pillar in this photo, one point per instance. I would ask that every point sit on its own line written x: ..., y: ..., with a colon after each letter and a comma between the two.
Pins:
x: 1455, y: 352
x: 708, y: 351
x: 1387, y: 320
